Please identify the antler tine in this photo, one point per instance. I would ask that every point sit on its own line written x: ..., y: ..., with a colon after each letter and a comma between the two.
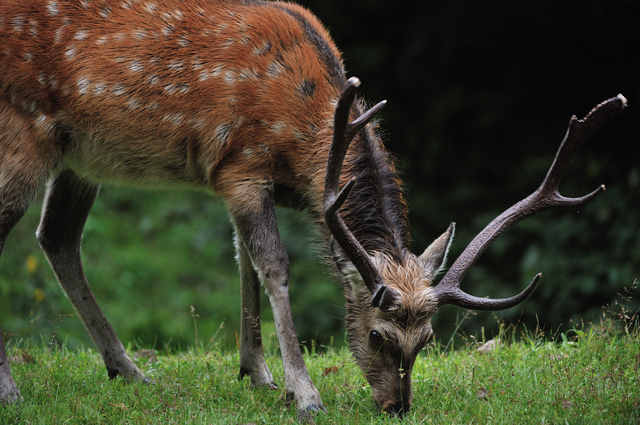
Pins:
x: 343, y: 133
x: 545, y: 197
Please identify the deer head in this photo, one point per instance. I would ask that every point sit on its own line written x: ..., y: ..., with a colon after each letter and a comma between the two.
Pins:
x: 389, y: 303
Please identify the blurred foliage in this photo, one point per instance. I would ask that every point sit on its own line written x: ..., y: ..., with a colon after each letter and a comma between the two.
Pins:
x: 480, y: 94
x: 149, y: 257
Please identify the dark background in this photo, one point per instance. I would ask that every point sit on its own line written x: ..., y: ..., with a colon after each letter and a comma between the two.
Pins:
x: 480, y: 95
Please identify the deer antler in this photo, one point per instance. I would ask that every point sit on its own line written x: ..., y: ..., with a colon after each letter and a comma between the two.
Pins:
x: 546, y: 197
x: 343, y: 133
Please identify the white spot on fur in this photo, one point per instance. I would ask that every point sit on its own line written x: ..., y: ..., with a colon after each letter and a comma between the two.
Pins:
x: 102, y: 40
x: 70, y: 53
x: 42, y: 78
x: 197, y: 63
x: 81, y: 35
x: 152, y: 106
x: 262, y: 49
x: 183, y: 88
x: 222, y: 132
x: 58, y: 35
x: 133, y: 104
x: 217, y: 71
x: 248, y: 152
x: 139, y: 34
x: 28, y: 56
x: 83, y: 85
x: 220, y: 29
x: 105, y: 12
x: 204, y: 75
x: 183, y: 41
x: 278, y: 127
x: 151, y: 7
x: 119, y: 89
x: 153, y: 80
x: 176, y: 65
x: 99, y: 88
x: 18, y: 23
x: 229, y: 77
x: 52, y: 8
x: 227, y: 43
x: 167, y: 30
x: 45, y: 124
x: 136, y: 66
x: 174, y: 118
x: 274, y: 69
x: 170, y: 89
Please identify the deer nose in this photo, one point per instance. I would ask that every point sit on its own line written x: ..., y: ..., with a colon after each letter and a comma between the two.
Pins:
x: 396, y: 409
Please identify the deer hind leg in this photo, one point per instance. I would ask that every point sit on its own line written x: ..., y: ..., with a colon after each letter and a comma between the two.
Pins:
x: 252, y: 211
x: 67, y: 203
x: 9, y: 392
x: 252, y: 360
x: 27, y: 159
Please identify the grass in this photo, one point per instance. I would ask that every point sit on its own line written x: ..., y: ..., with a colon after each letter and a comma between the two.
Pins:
x: 591, y: 375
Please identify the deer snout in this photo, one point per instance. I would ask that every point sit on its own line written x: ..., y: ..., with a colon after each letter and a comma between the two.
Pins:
x: 398, y: 409
x: 397, y: 405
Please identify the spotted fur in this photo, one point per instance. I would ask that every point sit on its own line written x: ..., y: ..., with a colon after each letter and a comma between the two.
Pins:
x: 231, y: 97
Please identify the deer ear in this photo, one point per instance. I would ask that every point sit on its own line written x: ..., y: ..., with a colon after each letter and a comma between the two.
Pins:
x: 435, y: 256
x: 346, y: 268
x: 386, y: 299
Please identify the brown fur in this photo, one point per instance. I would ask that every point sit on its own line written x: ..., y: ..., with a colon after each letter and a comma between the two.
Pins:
x: 231, y: 97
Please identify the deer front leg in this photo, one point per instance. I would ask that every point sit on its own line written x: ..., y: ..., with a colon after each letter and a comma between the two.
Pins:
x: 252, y: 360
x: 67, y: 204
x: 254, y: 217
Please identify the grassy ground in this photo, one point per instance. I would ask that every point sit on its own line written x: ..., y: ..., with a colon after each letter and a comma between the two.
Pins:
x: 590, y: 376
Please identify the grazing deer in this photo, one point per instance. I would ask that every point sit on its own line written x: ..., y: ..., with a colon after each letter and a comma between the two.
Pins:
x: 249, y: 100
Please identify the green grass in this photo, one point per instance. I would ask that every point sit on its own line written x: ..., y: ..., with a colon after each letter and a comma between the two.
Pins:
x: 590, y: 376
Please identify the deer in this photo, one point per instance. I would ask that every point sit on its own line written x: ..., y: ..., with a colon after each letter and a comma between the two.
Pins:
x: 247, y: 100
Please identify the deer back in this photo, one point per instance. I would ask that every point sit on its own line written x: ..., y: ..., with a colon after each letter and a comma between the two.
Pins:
x: 172, y: 93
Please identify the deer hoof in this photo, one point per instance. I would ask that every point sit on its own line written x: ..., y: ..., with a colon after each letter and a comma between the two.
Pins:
x: 11, y: 396
x: 309, y: 409
x: 134, y: 375
x: 307, y: 416
x: 265, y: 382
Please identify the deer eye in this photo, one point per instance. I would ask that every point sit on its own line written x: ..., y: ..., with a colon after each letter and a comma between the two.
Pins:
x: 375, y: 337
